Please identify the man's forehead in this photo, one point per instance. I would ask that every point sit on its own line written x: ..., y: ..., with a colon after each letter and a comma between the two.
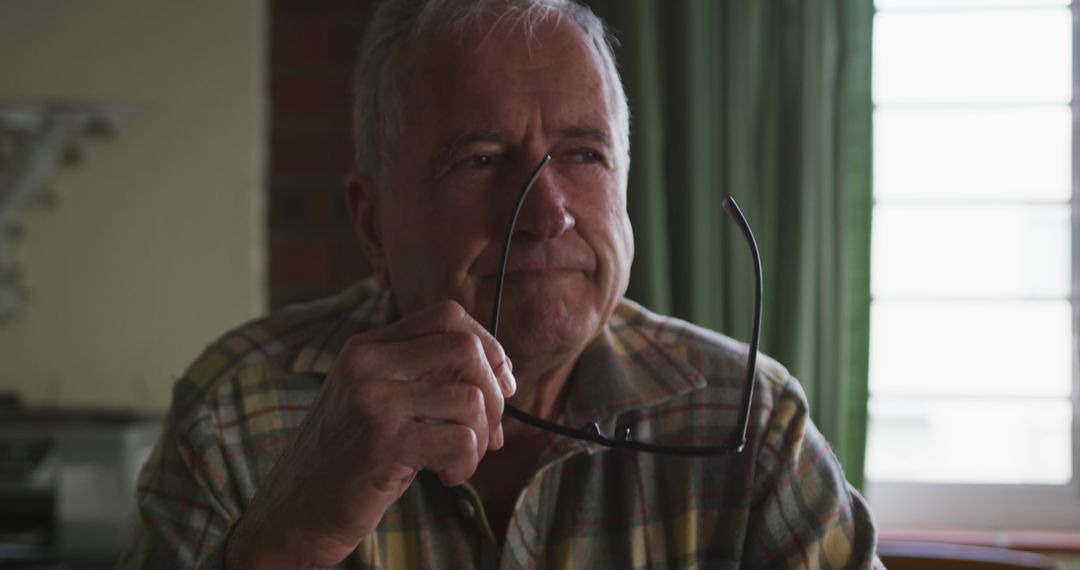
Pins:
x: 494, y: 31
x: 503, y: 48
x: 476, y: 76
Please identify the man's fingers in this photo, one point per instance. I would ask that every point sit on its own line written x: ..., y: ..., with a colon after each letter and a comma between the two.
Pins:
x: 451, y: 451
x: 444, y: 317
x: 454, y: 403
x: 444, y: 358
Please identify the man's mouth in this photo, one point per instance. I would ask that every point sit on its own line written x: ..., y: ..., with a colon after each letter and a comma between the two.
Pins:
x: 542, y: 272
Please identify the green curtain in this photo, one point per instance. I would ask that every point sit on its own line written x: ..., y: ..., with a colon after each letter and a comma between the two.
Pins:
x: 767, y: 101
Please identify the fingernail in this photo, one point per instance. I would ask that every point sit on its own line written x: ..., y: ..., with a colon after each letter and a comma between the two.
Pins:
x: 506, y: 377
x: 500, y: 436
x: 511, y: 384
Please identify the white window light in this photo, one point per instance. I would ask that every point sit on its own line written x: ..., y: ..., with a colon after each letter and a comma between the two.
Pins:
x: 974, y: 398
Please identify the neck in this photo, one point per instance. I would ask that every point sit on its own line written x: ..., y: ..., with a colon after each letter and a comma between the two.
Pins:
x: 541, y: 390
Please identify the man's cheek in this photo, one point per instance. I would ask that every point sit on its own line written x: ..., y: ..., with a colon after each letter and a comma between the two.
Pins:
x: 627, y: 241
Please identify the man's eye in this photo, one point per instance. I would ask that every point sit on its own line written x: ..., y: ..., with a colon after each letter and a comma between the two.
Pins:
x: 481, y: 160
x: 586, y: 156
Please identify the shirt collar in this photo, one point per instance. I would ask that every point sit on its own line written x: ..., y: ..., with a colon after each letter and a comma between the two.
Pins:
x: 357, y: 309
x: 628, y: 367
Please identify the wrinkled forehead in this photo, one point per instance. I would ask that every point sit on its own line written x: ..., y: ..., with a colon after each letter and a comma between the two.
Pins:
x: 500, y: 60
x: 500, y: 47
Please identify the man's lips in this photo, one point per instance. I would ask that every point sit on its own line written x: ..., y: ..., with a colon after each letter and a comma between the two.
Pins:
x: 543, y: 272
x: 539, y: 272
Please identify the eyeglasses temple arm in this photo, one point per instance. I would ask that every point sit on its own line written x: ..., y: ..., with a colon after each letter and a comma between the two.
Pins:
x: 736, y: 215
x: 506, y: 244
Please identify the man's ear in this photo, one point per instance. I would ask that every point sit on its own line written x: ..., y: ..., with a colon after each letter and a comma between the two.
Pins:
x: 363, y: 201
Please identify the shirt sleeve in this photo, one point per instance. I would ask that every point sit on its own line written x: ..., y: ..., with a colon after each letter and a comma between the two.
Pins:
x: 804, y: 512
x: 186, y: 503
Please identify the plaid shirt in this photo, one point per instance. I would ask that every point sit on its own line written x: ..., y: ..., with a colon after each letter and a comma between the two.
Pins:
x: 782, y: 503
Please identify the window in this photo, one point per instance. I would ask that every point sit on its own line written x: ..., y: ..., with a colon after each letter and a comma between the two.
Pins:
x: 973, y: 366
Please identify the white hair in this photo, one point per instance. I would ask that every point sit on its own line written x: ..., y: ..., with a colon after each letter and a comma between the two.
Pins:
x: 377, y: 94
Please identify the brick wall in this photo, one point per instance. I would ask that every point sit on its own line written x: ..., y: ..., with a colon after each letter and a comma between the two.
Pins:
x: 312, y: 46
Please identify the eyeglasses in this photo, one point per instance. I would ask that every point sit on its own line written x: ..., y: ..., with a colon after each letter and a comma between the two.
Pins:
x: 736, y: 441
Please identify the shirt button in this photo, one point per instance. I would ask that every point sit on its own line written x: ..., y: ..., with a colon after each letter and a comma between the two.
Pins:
x: 466, y: 508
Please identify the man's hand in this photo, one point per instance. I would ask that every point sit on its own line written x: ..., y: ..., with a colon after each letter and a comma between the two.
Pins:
x: 423, y: 393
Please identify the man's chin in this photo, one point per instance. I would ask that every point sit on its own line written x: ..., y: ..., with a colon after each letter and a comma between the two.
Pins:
x: 544, y: 315
x: 544, y: 352
x: 546, y: 336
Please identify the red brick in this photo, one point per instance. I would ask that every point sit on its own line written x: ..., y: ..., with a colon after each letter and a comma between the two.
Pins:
x: 350, y: 264
x: 359, y: 9
x: 328, y: 154
x: 300, y: 210
x: 296, y: 42
x: 301, y: 263
x: 306, y: 39
x: 311, y: 95
x: 312, y: 249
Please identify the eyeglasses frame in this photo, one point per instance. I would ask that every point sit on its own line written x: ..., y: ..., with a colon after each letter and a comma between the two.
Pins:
x: 737, y: 439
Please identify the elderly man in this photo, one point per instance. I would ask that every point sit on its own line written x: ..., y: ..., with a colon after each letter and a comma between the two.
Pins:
x: 368, y: 429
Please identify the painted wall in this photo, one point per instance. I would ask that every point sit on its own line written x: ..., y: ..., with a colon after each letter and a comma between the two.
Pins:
x: 156, y: 243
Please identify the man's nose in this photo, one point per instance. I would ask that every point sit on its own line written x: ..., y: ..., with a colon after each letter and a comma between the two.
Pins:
x: 544, y: 214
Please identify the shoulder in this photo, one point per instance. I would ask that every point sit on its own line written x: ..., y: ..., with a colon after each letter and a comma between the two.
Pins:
x: 276, y: 342
x: 718, y: 357
x: 779, y: 407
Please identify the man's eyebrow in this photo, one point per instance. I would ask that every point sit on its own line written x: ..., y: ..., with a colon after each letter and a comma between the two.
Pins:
x: 462, y: 140
x: 465, y: 139
x: 587, y: 132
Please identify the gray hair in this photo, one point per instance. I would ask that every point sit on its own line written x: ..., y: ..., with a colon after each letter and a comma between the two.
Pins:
x: 377, y: 96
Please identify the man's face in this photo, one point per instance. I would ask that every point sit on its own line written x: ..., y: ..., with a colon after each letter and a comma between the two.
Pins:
x: 481, y: 110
